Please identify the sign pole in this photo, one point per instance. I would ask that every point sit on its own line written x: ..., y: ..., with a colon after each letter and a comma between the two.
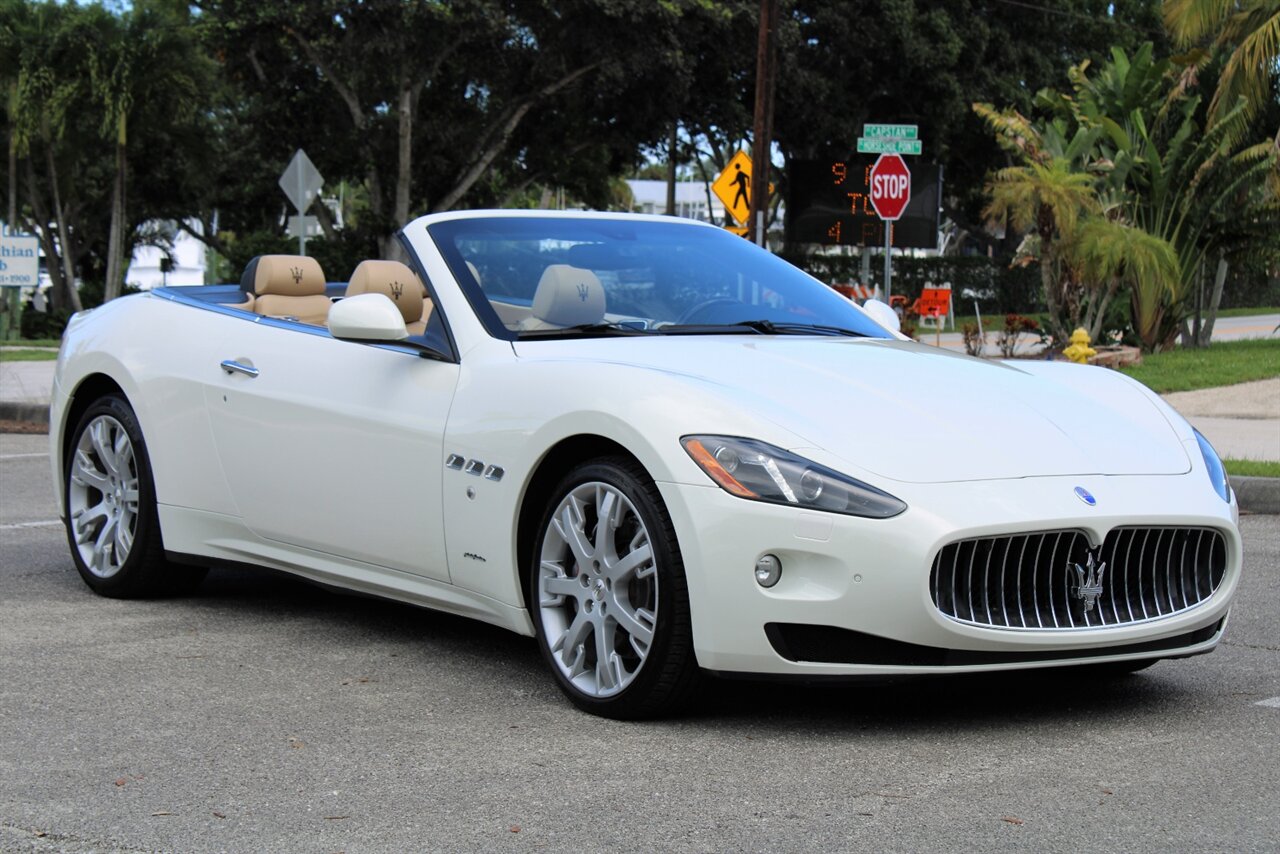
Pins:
x: 888, y: 255
x: 302, y: 213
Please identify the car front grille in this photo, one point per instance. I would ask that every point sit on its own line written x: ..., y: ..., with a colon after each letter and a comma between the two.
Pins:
x: 1045, y: 580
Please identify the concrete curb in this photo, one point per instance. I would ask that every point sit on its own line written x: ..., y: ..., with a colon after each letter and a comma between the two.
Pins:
x: 1257, y: 494
x: 31, y: 413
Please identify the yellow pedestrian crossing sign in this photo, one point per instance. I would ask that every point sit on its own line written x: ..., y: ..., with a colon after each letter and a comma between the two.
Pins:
x: 733, y: 187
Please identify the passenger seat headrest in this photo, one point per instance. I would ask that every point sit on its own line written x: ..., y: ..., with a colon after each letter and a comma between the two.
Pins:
x: 568, y: 296
x: 283, y: 275
x: 393, y: 280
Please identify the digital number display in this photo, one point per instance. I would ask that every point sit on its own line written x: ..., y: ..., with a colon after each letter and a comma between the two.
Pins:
x: 829, y: 202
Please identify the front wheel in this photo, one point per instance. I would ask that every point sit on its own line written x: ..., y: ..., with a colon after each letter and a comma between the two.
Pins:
x: 112, y: 525
x: 610, y: 602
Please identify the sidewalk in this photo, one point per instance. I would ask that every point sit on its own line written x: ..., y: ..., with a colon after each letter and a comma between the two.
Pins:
x: 1225, y: 329
x: 1240, y: 421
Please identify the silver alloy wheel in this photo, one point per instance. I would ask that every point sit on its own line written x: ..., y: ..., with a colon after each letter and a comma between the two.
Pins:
x: 102, y: 497
x: 597, y: 589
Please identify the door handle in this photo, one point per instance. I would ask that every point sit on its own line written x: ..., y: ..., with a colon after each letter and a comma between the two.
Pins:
x: 233, y: 367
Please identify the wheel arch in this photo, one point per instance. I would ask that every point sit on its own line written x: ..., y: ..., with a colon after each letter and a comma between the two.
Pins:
x: 91, y: 388
x: 558, y: 459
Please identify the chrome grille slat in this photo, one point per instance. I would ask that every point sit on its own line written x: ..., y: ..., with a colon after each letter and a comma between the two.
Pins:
x: 1028, y: 581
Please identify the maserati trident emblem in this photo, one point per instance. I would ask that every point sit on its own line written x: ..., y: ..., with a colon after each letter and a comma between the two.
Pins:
x: 396, y: 290
x: 1089, y: 579
x: 1086, y: 496
x: 582, y: 292
x: 296, y: 272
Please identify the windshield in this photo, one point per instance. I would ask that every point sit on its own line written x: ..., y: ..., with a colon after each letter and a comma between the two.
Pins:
x: 557, y: 277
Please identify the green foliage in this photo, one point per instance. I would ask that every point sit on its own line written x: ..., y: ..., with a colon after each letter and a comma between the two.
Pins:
x: 1251, y: 468
x: 1223, y: 363
x: 1158, y: 193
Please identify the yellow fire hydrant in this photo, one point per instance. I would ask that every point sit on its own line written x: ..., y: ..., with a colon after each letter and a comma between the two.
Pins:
x: 1079, y: 351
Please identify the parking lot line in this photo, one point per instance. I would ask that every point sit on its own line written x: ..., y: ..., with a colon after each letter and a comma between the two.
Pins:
x: 22, y: 456
x: 13, y: 526
x: 1273, y: 703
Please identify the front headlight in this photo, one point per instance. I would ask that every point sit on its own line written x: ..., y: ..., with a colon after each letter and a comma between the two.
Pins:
x: 1217, y: 472
x: 759, y: 472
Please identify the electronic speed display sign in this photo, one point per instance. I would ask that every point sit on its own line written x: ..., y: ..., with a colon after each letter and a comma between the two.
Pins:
x: 829, y: 202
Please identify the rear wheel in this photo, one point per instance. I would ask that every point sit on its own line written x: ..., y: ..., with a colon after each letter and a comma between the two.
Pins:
x: 111, y: 520
x: 610, y: 603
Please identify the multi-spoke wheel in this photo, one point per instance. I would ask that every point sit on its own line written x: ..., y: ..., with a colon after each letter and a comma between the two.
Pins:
x: 110, y: 508
x: 609, y: 598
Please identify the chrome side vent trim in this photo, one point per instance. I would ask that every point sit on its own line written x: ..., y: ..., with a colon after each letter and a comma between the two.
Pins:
x: 1045, y: 580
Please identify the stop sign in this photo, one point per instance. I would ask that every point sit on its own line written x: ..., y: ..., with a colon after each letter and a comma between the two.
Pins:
x: 890, y: 186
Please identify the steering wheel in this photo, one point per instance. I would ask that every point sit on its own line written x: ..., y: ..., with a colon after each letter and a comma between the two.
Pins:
x: 703, y: 313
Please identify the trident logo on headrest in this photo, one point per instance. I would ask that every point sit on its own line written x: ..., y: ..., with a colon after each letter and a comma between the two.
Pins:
x: 582, y: 292
x: 296, y: 272
x: 1089, y: 579
x: 396, y: 290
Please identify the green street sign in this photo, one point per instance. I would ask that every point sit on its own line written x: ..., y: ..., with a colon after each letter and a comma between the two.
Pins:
x: 891, y: 132
x: 867, y: 145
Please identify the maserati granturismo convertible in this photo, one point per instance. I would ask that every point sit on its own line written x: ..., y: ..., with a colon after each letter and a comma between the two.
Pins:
x: 660, y: 451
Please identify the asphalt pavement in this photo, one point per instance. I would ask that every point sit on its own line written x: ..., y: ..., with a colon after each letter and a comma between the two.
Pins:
x: 264, y: 714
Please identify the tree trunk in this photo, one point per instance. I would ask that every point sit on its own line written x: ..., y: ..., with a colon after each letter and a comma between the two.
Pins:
x: 64, y: 236
x: 12, y: 220
x: 671, y: 171
x: 1097, y: 315
x: 115, y: 236
x: 1219, y: 279
x: 404, y: 171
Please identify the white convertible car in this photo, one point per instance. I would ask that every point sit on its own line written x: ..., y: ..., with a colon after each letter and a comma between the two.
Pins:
x: 659, y: 450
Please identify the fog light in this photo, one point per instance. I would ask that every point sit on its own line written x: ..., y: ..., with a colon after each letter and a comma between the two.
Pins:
x: 768, y: 571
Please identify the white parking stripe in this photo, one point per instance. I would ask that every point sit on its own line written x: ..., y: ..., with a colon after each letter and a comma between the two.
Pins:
x: 22, y: 456
x: 1273, y: 703
x: 16, y: 525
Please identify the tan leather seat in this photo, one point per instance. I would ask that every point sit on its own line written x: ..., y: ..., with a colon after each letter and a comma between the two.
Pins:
x: 287, y: 286
x: 566, y: 296
x: 399, y: 284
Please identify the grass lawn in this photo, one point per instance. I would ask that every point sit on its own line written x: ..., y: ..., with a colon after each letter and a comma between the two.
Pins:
x: 1224, y: 363
x: 28, y: 355
x: 1252, y: 468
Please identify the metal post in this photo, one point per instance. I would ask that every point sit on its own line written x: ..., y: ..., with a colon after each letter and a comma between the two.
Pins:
x: 762, y: 127
x: 888, y: 255
x: 302, y: 218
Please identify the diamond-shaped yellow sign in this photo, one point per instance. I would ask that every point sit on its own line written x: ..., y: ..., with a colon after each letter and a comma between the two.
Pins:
x: 733, y: 187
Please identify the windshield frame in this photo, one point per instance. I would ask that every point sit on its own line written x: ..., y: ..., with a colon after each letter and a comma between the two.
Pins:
x: 443, y: 232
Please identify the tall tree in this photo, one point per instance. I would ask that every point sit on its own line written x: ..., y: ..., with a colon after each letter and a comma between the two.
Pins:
x: 1248, y: 32
x: 146, y: 54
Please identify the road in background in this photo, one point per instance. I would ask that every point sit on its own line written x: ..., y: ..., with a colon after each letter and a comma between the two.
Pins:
x: 264, y: 714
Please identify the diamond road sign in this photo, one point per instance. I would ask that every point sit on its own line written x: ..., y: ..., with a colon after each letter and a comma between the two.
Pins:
x: 301, y: 181
x: 891, y: 131
x: 882, y: 145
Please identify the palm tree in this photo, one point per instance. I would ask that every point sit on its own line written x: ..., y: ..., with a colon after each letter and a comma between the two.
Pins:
x: 147, y: 53
x: 1049, y: 199
x: 1248, y: 31
x: 1118, y: 254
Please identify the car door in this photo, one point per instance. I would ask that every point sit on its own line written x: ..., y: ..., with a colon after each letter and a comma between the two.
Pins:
x: 333, y: 446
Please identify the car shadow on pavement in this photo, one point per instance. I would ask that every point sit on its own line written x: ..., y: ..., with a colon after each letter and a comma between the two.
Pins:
x: 916, y: 704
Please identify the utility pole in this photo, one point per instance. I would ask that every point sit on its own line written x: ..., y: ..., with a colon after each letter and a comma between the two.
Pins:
x: 762, y: 129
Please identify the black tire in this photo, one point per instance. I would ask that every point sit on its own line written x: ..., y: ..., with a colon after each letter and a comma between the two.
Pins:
x: 665, y: 678
x: 144, y: 571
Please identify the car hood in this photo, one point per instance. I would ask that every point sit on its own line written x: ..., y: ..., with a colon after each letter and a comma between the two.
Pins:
x: 912, y: 412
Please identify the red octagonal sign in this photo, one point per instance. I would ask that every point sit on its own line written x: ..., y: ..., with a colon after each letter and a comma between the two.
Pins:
x: 890, y: 186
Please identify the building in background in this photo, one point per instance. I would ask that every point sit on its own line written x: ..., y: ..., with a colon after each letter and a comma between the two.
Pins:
x: 691, y: 200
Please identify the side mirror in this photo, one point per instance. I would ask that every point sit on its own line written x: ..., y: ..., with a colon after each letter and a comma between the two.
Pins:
x: 367, y: 317
x: 882, y: 314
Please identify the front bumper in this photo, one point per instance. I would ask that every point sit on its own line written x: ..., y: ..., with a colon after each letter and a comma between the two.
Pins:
x: 865, y: 582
